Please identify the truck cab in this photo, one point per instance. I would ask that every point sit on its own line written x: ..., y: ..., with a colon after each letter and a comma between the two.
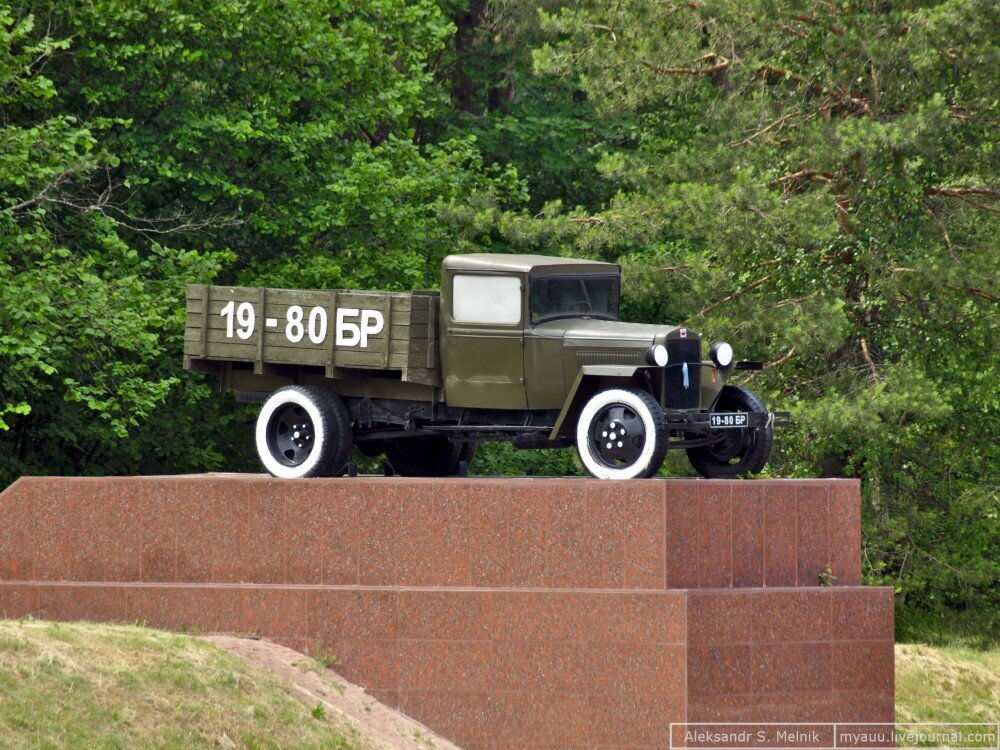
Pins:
x: 525, y: 331
x: 502, y: 325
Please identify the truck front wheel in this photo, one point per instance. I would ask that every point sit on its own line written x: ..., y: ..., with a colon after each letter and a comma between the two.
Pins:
x: 620, y: 434
x: 303, y: 432
x: 740, y: 451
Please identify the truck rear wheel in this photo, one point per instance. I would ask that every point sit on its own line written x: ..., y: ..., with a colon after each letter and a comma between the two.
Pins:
x: 434, y: 456
x: 303, y: 432
x: 620, y: 434
x: 740, y: 451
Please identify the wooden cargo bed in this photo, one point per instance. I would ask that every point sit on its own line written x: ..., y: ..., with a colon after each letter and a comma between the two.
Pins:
x: 327, y: 328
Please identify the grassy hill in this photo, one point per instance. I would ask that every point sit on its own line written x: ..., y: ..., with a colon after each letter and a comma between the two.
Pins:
x: 947, y: 684
x: 84, y: 685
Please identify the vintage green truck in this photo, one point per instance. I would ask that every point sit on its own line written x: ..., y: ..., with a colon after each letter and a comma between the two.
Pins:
x: 525, y: 348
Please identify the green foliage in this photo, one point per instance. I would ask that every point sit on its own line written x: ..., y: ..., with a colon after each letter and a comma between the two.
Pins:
x: 502, y: 458
x: 84, y: 315
x: 818, y: 183
x: 148, y: 145
x: 539, y: 124
x: 388, y: 210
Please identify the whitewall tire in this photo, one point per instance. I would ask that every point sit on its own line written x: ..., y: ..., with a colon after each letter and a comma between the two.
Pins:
x: 303, y: 432
x: 620, y: 434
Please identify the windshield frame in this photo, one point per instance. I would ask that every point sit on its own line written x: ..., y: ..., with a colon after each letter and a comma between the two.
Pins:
x: 614, y: 278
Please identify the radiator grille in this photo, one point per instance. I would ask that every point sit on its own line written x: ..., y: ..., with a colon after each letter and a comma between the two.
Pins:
x: 677, y: 396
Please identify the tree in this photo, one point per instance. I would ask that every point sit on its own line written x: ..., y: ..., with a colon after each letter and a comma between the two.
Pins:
x: 819, y: 182
x: 81, y: 312
x: 158, y: 143
x: 541, y: 125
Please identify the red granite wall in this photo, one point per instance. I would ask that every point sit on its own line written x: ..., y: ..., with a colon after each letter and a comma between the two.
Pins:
x: 502, y: 668
x: 502, y: 613
x: 820, y: 654
x: 525, y: 533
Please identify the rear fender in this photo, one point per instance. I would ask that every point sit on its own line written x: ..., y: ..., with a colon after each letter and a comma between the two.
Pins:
x: 589, y: 380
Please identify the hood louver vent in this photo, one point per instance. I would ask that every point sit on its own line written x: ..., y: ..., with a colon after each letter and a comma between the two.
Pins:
x: 612, y: 357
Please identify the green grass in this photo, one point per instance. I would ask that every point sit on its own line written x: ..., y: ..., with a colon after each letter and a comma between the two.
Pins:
x: 947, y: 684
x: 84, y: 685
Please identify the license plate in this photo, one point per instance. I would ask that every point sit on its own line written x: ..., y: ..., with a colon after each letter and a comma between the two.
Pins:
x: 723, y: 420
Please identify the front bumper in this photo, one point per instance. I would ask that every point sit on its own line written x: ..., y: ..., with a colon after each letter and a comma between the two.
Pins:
x: 700, y: 420
x: 694, y: 429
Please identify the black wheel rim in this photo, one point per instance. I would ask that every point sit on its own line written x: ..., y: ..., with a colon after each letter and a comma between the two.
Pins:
x: 617, y: 436
x: 733, y: 446
x: 291, y: 435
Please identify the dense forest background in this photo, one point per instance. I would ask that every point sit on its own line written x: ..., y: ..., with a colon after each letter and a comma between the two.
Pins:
x: 817, y: 182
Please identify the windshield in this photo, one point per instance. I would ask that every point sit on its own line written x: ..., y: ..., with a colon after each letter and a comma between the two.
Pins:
x: 573, y: 297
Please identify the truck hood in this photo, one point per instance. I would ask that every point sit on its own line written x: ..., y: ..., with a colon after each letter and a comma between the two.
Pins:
x: 588, y: 332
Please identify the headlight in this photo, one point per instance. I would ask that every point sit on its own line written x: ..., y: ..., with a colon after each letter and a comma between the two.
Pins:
x: 722, y: 354
x: 656, y: 355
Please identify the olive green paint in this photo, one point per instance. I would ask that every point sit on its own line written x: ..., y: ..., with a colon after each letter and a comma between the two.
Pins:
x: 423, y: 354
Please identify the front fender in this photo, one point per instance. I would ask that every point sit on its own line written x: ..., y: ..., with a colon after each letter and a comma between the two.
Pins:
x: 589, y: 380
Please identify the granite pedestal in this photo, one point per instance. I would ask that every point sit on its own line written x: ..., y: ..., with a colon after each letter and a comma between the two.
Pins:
x: 500, y: 612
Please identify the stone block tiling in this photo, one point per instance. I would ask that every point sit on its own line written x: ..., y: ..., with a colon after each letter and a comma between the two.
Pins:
x: 501, y: 613
x: 520, y: 533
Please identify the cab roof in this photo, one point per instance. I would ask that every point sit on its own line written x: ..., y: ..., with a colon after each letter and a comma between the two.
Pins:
x: 520, y: 263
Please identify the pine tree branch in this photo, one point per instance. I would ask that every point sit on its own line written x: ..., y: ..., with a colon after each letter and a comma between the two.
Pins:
x: 789, y: 180
x: 966, y: 195
x: 975, y: 292
x: 694, y: 70
x: 739, y: 293
x: 961, y: 191
x: 868, y: 360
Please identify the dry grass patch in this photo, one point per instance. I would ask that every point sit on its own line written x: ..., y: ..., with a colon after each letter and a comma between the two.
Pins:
x: 947, y: 684
x: 85, y: 685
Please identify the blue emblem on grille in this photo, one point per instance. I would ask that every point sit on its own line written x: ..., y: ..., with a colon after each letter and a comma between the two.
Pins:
x: 684, y: 372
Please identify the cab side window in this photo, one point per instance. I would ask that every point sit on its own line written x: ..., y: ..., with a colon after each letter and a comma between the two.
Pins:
x: 494, y: 300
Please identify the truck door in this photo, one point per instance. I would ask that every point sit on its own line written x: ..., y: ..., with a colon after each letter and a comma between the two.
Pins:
x: 482, y: 342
